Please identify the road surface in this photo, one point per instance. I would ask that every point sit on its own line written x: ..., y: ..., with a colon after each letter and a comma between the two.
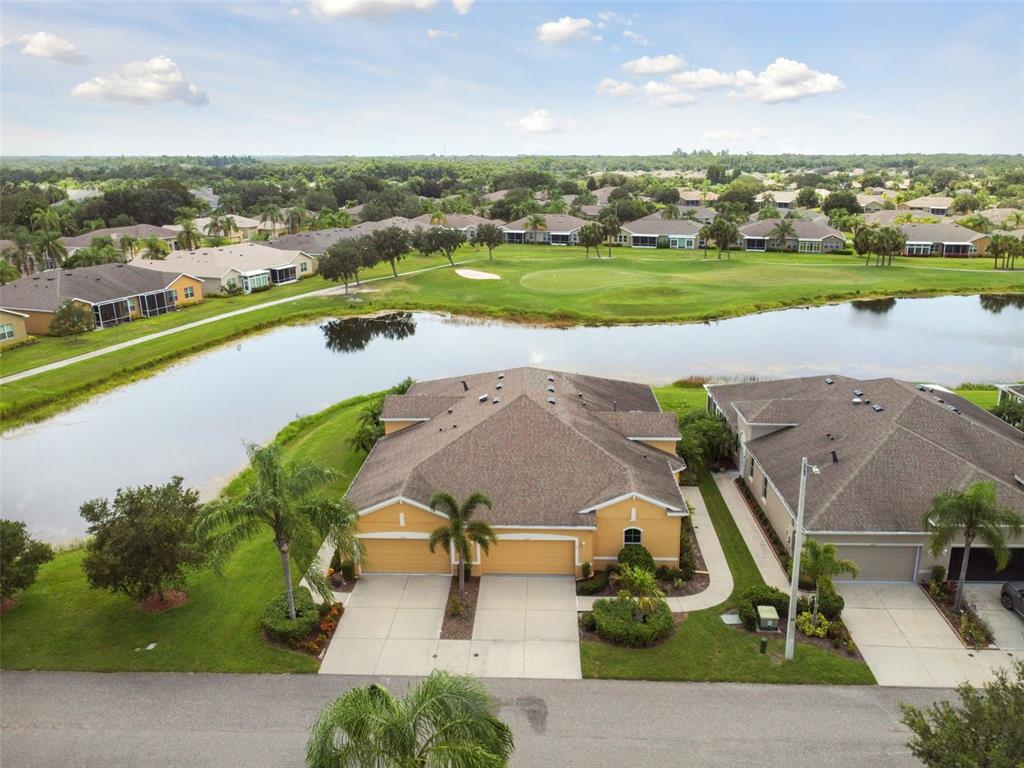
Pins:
x: 88, y: 719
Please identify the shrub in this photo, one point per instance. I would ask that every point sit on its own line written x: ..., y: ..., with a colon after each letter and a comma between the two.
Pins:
x: 587, y: 621
x: 938, y: 574
x: 941, y: 592
x: 275, y: 621
x: 616, y: 621
x: 335, y: 564
x: 975, y: 630
x: 687, y: 560
x: 594, y: 584
x: 455, y: 606
x: 662, y: 573
x: 761, y: 594
x: 805, y: 623
x: 637, y: 556
x: 585, y: 570
x: 830, y: 604
x: 348, y: 570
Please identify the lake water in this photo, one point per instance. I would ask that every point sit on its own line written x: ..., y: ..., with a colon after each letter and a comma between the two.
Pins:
x: 194, y: 418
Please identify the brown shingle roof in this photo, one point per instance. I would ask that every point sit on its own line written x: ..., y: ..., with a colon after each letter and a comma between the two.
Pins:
x: 891, y: 464
x: 805, y: 230
x: 540, y: 463
x: 556, y: 222
x: 116, y: 233
x: 46, y: 291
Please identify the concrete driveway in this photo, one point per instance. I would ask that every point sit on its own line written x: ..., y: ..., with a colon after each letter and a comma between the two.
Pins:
x: 907, y: 642
x: 525, y: 626
x: 1007, y: 626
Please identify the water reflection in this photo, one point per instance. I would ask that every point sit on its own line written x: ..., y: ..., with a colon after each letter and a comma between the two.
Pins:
x: 874, y: 306
x: 355, y: 333
x: 997, y: 302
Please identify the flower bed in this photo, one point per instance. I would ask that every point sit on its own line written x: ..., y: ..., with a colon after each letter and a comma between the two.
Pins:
x: 973, y: 631
x: 781, y: 553
x: 309, y: 631
x: 459, y: 615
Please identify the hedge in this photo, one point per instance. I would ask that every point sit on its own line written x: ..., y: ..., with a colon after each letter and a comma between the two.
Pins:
x: 275, y: 621
x: 593, y: 585
x: 637, y: 556
x: 616, y: 622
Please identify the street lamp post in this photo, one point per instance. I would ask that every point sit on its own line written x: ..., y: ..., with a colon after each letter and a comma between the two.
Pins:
x: 798, y: 545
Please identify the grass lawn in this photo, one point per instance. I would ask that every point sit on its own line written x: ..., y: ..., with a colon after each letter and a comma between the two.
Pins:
x: 706, y: 649
x: 60, y: 623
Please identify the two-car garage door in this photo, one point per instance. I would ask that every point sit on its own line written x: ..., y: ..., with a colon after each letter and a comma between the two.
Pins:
x: 507, y: 556
x: 878, y: 562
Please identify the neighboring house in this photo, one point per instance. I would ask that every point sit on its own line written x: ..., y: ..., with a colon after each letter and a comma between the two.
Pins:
x: 464, y: 222
x: 1010, y: 393
x: 996, y: 215
x: 885, y: 449
x: 784, y: 200
x: 77, y: 196
x: 591, y: 211
x: 207, y: 195
x: 138, y: 231
x: 12, y: 327
x: 944, y: 239
x: 576, y: 467
x: 937, y: 205
x: 117, y: 293
x: 246, y: 266
x: 810, y: 237
x: 246, y: 228
x: 890, y: 216
x: 694, y: 197
x: 274, y: 229
x: 315, y: 242
x: 871, y: 203
x: 495, y: 196
x: 603, y: 193
x: 561, y: 229
x: 699, y: 213
x: 654, y: 231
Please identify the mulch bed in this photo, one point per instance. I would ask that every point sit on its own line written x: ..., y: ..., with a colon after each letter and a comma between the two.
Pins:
x: 694, y: 586
x: 343, y: 586
x: 821, y: 642
x: 172, y: 599
x: 952, y: 618
x: 461, y: 627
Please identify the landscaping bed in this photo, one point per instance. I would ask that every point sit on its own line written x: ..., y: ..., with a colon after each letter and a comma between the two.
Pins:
x: 973, y: 631
x: 459, y: 626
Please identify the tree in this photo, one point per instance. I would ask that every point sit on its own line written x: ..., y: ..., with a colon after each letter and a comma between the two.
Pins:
x: 446, y: 720
x: 976, y: 513
x: 143, y: 542
x: 437, y: 215
x: 8, y: 272
x: 49, y: 250
x: 643, y: 586
x: 20, y: 252
x: 866, y: 242
x: 722, y: 231
x: 271, y: 217
x: 46, y: 220
x: 296, y: 218
x: 390, y: 244
x: 591, y: 236
x: 342, y: 261
x: 284, y: 497
x: 892, y: 241
x: 986, y: 730
x: 20, y: 558
x: 1004, y: 250
x: 807, y: 198
x: 535, y: 222
x: 1011, y: 411
x: 703, y: 439
x: 461, y: 531
x: 490, y: 236
x: 820, y: 562
x: 782, y: 231
x: 670, y: 213
x: 154, y: 248
x: 609, y: 221
x: 844, y: 199
x: 189, y: 238
x: 128, y: 246
x: 715, y: 173
x: 966, y: 202
x: 439, y: 240
x: 71, y: 319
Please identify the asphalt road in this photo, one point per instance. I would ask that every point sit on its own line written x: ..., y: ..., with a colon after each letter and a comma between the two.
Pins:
x: 85, y: 719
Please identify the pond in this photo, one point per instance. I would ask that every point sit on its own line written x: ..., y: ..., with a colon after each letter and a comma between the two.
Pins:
x: 194, y: 418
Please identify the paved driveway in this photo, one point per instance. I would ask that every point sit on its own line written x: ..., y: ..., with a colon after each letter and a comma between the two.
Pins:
x: 525, y: 626
x: 1007, y: 626
x: 907, y: 642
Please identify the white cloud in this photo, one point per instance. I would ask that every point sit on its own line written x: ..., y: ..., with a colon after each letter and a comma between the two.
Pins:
x: 295, y: 12
x: 542, y: 121
x: 782, y: 80
x: 597, y: 38
x: 434, y: 34
x: 370, y: 7
x: 636, y: 37
x: 607, y: 17
x: 612, y: 87
x: 462, y: 7
x: 46, y: 46
x: 566, y: 28
x: 654, y: 65
x: 156, y: 79
x: 666, y: 95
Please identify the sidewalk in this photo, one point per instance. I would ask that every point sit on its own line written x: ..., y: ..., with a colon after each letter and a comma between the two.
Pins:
x: 758, y: 545
x: 720, y: 585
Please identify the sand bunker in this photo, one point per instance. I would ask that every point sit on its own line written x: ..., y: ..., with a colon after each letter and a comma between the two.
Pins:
x: 473, y: 274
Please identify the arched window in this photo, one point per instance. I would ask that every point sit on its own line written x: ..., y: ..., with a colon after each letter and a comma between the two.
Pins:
x: 632, y: 536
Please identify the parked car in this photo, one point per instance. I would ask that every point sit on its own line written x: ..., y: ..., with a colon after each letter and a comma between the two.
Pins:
x: 1012, y: 596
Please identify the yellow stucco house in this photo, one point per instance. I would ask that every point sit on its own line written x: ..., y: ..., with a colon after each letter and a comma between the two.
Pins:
x: 576, y: 467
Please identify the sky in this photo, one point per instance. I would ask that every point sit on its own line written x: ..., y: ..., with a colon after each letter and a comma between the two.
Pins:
x: 459, y: 77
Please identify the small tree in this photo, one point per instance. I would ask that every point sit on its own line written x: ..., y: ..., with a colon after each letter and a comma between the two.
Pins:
x: 439, y: 240
x: 390, y: 244
x: 843, y: 199
x: 643, y: 586
x: 342, y: 261
x: 807, y: 198
x: 820, y: 562
x: 977, y: 514
x: 986, y: 730
x: 461, y: 531
x: 722, y: 231
x: 490, y: 236
x: 783, y: 231
x: 71, y: 319
x: 609, y: 220
x: 20, y: 558
x: 144, y: 541
x: 591, y: 236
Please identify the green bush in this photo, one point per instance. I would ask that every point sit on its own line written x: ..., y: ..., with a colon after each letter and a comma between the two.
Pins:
x: 805, y: 623
x: 616, y: 621
x: 761, y: 594
x: 637, y: 556
x: 938, y: 574
x: 587, y: 622
x: 275, y: 621
x: 455, y: 606
x: 335, y: 562
x: 662, y: 573
x: 593, y: 585
x: 974, y: 630
x: 687, y: 560
x: 348, y: 570
x: 585, y: 570
x: 830, y: 603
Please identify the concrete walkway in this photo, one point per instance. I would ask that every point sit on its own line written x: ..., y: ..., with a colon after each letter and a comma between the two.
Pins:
x: 333, y: 290
x: 760, y: 548
x: 720, y: 586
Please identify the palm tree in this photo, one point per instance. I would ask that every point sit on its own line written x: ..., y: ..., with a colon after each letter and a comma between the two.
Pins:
x: 671, y: 213
x: 820, y: 562
x: 296, y: 218
x: 446, y: 720
x: 45, y: 220
x: 271, y: 217
x: 782, y: 231
x: 643, y: 586
x: 284, y: 498
x: 49, y: 250
x: 722, y: 231
x: 437, y: 215
x: 226, y: 225
x: 189, y: 238
x: 19, y: 252
x: 536, y: 222
x: 213, y: 226
x: 977, y: 513
x: 461, y: 530
x: 612, y: 227
x: 154, y: 248
x: 128, y: 246
x: 8, y: 272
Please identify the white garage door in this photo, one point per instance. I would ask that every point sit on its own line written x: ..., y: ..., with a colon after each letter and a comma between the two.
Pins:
x: 877, y: 562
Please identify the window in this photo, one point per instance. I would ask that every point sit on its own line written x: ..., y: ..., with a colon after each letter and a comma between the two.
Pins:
x: 6, y: 332
x: 632, y: 536
x: 810, y: 246
x: 750, y: 472
x: 919, y: 249
x: 764, y: 488
x: 304, y: 266
x: 190, y: 292
x: 131, y: 305
x: 232, y: 282
x: 174, y: 294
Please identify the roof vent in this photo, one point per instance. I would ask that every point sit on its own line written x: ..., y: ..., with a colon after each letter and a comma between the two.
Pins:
x: 579, y: 394
x: 482, y: 398
x: 940, y: 400
x: 499, y: 386
x: 835, y: 457
x: 954, y: 409
x: 449, y: 410
x: 551, y: 378
x: 856, y: 401
x: 551, y: 400
x: 496, y: 400
x: 501, y: 375
x: 922, y: 388
x: 551, y: 389
x: 829, y: 381
x: 858, y: 392
x: 877, y: 408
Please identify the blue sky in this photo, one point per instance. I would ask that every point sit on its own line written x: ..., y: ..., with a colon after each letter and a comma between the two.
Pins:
x: 463, y: 77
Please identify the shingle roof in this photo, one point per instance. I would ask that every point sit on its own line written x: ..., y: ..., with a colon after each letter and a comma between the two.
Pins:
x: 996, y: 215
x: 116, y: 233
x: 46, y: 291
x: 891, y: 464
x: 655, y: 225
x: 805, y: 230
x: 456, y: 220
x: 887, y: 217
x: 314, y: 242
x: 943, y: 232
x: 216, y: 262
x: 540, y: 463
x: 930, y: 201
x: 696, y: 194
x: 556, y: 222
